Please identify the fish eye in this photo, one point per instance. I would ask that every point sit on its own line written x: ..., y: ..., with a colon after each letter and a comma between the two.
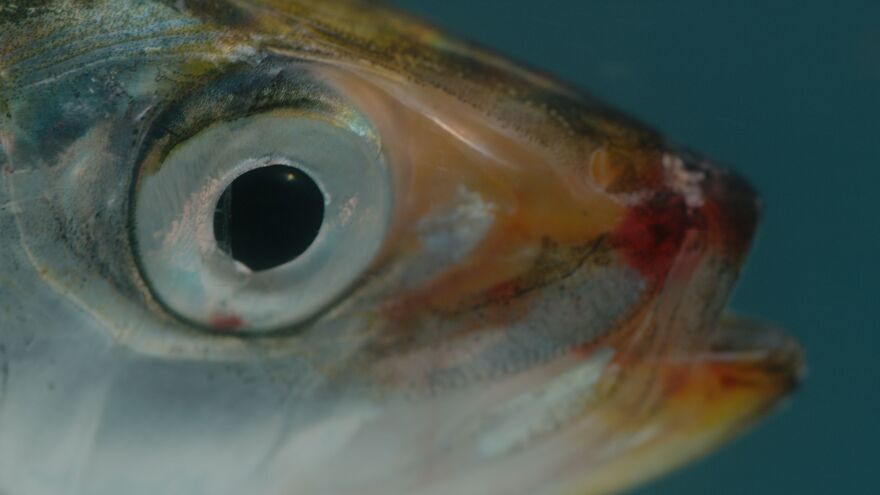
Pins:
x: 257, y: 223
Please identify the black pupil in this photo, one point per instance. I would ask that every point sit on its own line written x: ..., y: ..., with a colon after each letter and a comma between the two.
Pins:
x: 269, y: 216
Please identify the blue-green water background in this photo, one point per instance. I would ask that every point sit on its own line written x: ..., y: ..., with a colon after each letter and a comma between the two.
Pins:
x: 788, y: 92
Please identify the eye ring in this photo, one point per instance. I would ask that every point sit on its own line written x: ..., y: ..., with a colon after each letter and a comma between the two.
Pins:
x: 173, y: 221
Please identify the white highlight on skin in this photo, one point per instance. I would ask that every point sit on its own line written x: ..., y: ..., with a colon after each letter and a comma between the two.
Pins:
x: 687, y: 183
x: 516, y: 422
x: 449, y: 235
x: 459, y: 231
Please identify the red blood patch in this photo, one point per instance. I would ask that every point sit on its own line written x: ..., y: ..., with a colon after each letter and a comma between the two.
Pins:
x: 229, y: 323
x: 651, y: 235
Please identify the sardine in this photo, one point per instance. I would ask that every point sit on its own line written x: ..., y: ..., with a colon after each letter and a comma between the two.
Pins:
x: 320, y: 247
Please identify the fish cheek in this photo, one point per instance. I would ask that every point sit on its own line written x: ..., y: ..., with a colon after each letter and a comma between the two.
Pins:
x: 509, y: 196
x: 493, y: 265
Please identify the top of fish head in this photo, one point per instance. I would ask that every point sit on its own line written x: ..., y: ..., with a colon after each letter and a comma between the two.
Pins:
x: 320, y: 247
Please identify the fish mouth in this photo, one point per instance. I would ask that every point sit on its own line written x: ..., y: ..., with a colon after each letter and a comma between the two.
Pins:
x: 728, y: 215
x: 689, y: 374
x: 763, y: 345
x: 722, y: 216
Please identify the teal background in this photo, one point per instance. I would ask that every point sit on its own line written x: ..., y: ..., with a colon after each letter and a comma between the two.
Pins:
x: 788, y: 92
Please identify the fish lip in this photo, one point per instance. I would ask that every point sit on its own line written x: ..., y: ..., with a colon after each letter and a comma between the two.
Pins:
x: 743, y: 340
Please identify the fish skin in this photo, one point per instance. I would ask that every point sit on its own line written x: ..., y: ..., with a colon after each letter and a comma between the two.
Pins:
x: 546, y: 314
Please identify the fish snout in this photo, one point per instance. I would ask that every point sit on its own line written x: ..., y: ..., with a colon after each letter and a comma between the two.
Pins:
x: 679, y: 207
x: 731, y: 208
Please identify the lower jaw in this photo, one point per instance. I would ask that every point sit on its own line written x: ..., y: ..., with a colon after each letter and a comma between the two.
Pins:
x: 666, y: 413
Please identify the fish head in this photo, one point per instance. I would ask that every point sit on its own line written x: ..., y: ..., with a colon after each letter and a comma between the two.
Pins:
x: 507, y: 286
